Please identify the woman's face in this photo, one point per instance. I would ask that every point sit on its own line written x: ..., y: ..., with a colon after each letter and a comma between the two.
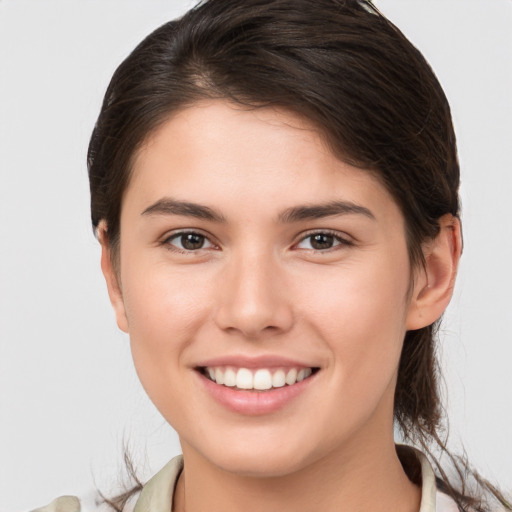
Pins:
x: 250, y: 254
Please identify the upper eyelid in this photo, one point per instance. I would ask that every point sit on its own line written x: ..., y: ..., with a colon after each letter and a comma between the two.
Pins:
x: 341, y: 236
x: 344, y: 237
x: 186, y: 231
x: 169, y: 237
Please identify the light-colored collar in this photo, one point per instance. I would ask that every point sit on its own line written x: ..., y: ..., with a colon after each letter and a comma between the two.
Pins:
x: 158, y: 492
x: 428, y: 485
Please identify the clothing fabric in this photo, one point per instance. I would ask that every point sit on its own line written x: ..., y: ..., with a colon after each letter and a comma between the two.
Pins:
x: 157, y: 494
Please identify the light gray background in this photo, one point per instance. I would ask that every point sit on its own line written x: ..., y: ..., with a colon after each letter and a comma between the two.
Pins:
x: 69, y: 393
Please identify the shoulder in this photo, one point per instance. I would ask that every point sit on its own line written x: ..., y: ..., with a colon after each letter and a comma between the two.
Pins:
x: 62, y: 504
x: 155, y: 496
x: 88, y: 502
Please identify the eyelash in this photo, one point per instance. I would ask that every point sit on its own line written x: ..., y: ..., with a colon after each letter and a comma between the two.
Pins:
x: 175, y: 236
x: 341, y: 241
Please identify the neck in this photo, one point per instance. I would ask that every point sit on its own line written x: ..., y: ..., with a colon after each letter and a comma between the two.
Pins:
x: 371, y: 478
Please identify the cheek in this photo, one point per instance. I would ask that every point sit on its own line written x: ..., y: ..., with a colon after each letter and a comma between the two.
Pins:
x: 356, y: 299
x: 159, y: 298
x: 360, y: 312
x: 164, y: 311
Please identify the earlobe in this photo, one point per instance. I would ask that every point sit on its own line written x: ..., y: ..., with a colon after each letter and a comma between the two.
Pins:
x: 434, y: 283
x: 112, y: 278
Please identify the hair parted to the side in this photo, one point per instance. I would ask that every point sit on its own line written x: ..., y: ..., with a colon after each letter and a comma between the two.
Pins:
x: 351, y: 73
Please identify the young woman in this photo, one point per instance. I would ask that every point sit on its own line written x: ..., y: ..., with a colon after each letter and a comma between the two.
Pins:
x: 274, y: 185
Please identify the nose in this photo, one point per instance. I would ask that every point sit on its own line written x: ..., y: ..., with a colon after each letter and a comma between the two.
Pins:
x: 253, y: 298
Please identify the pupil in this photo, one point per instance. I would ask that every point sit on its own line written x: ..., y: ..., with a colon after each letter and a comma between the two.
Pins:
x: 192, y: 241
x: 322, y: 241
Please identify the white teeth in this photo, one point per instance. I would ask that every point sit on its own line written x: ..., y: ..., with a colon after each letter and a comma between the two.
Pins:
x: 260, y: 379
x: 304, y: 373
x: 229, y: 377
x: 219, y: 376
x: 278, y: 379
x: 243, y: 379
x: 291, y: 376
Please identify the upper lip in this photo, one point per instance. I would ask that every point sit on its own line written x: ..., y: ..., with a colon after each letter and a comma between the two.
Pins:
x: 264, y: 361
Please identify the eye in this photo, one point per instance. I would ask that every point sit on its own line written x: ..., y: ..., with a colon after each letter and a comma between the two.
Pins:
x: 322, y: 241
x: 188, y: 241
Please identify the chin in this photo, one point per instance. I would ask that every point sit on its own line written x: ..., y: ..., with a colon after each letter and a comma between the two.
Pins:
x: 257, y: 458
x: 260, y: 465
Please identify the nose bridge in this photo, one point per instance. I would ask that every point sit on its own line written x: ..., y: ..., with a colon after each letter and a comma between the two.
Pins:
x: 253, y: 299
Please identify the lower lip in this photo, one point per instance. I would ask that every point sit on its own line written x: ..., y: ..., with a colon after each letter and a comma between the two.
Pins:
x: 254, y: 403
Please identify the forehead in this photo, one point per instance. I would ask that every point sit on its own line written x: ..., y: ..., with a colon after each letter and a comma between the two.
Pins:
x: 259, y: 158
x: 229, y: 134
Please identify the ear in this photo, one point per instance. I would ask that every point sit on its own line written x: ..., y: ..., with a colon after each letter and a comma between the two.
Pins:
x: 112, y: 278
x: 433, y: 284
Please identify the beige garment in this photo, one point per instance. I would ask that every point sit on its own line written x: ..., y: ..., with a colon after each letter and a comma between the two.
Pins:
x: 158, y: 493
x: 62, y: 504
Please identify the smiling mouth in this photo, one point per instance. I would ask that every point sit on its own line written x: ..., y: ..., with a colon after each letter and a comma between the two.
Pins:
x: 257, y: 379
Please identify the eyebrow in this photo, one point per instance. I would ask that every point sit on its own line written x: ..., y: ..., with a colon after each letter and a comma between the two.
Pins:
x: 168, y: 206
x: 319, y: 211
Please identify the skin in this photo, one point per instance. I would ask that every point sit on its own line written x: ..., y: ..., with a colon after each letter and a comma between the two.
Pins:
x: 259, y: 287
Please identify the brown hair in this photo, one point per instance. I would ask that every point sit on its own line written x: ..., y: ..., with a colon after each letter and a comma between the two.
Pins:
x: 349, y: 71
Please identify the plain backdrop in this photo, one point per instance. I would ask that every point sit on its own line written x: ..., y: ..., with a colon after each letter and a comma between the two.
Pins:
x: 69, y: 394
